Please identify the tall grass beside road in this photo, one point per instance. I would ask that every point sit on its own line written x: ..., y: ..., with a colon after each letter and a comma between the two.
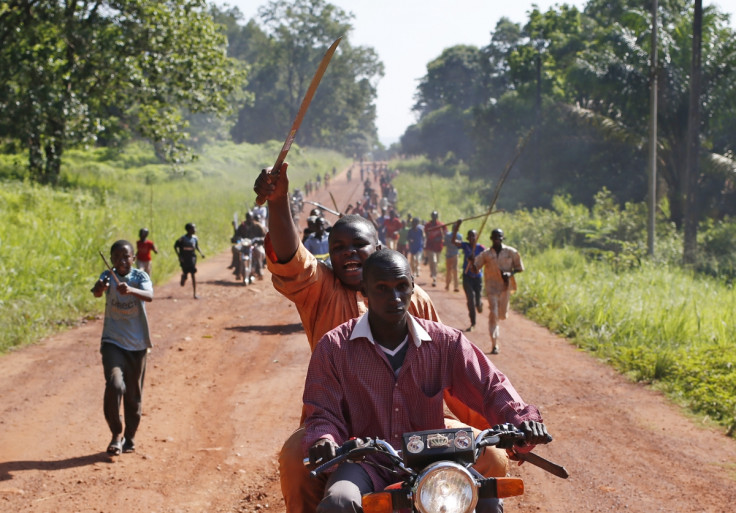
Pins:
x: 588, y: 278
x: 657, y: 324
x: 50, y: 237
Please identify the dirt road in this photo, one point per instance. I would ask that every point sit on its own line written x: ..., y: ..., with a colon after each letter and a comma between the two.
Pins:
x: 223, y: 391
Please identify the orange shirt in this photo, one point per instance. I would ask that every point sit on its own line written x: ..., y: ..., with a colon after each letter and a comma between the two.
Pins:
x: 322, y: 301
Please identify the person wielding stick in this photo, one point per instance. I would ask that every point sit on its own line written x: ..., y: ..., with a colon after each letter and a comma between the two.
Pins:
x: 499, y: 263
x: 472, y: 278
x: 126, y: 341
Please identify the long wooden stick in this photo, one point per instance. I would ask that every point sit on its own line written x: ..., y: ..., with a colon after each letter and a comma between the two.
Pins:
x: 326, y: 209
x: 114, y: 276
x: 463, y: 219
x: 334, y: 202
x: 519, y: 150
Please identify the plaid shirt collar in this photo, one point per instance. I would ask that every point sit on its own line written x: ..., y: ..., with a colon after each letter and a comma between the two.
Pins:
x: 362, y: 329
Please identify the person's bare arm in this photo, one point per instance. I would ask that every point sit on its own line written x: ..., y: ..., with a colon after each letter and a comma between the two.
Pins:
x: 455, y: 228
x: 143, y: 295
x: 283, y: 233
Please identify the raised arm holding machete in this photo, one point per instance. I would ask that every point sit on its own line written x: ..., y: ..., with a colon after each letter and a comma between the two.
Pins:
x: 272, y: 184
x: 314, y: 84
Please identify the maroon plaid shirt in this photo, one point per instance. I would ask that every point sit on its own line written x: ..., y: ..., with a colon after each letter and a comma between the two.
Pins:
x: 351, y: 389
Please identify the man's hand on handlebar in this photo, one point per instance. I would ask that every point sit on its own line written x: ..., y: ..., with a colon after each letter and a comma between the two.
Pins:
x: 534, y: 432
x: 322, y: 451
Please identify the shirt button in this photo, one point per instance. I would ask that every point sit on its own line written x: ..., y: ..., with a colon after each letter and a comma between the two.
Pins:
x: 396, y: 409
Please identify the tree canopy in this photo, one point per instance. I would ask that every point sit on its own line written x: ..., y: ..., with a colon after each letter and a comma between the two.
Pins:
x: 581, y: 79
x: 284, y: 52
x: 79, y: 72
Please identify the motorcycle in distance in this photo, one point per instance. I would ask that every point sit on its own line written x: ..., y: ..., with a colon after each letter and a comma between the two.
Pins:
x: 251, y: 257
x: 434, y: 469
x: 297, y: 202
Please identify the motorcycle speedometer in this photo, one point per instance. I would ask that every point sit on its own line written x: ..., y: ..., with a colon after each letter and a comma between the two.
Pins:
x: 445, y: 487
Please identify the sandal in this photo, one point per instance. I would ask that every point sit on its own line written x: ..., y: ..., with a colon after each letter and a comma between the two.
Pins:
x: 115, y: 447
x: 128, y: 445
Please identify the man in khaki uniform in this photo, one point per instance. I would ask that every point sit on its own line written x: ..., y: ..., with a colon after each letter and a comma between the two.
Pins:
x: 499, y: 263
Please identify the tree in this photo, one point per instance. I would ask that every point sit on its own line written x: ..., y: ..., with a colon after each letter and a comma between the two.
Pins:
x: 613, y: 71
x: 290, y: 45
x: 453, y: 86
x: 71, y: 72
x: 689, y: 180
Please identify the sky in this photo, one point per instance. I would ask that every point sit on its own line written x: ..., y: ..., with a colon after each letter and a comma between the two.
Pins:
x: 408, y: 34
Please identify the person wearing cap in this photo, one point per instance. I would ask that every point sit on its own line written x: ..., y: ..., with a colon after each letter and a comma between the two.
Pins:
x: 500, y: 263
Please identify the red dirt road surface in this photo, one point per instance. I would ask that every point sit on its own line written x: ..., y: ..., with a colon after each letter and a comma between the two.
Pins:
x: 223, y: 391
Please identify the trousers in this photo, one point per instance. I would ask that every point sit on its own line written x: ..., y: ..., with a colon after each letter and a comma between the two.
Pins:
x: 124, y: 374
x: 451, y: 271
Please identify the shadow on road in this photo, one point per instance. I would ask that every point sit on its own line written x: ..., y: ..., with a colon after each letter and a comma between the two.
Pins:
x: 225, y: 283
x: 6, y: 468
x: 285, y: 329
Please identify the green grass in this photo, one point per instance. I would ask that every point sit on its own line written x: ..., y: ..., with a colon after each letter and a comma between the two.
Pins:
x: 657, y: 324
x: 50, y: 237
x: 588, y: 279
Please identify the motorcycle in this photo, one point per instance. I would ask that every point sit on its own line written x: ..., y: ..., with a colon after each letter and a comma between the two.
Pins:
x: 297, y: 202
x: 251, y: 259
x: 435, y: 471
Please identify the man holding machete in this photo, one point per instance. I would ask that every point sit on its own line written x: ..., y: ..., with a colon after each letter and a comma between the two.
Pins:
x: 326, y: 297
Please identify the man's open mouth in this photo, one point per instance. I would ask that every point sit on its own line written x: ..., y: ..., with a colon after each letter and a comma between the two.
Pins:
x: 352, y: 266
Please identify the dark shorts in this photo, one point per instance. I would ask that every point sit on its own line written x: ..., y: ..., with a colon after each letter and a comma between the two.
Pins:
x: 188, y: 263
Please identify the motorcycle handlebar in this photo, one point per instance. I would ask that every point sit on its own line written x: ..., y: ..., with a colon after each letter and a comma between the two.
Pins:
x: 355, y: 449
x: 505, y: 436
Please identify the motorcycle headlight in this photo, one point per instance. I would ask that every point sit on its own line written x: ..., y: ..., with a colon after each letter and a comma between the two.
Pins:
x: 445, y: 487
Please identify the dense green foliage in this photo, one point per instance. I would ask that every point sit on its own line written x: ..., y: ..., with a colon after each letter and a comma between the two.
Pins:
x: 588, y: 279
x: 284, y: 52
x: 178, y: 73
x: 658, y: 324
x: 76, y: 72
x: 50, y: 237
x: 581, y: 79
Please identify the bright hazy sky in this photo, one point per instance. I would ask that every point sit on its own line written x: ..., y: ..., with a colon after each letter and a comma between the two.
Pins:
x: 408, y: 34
